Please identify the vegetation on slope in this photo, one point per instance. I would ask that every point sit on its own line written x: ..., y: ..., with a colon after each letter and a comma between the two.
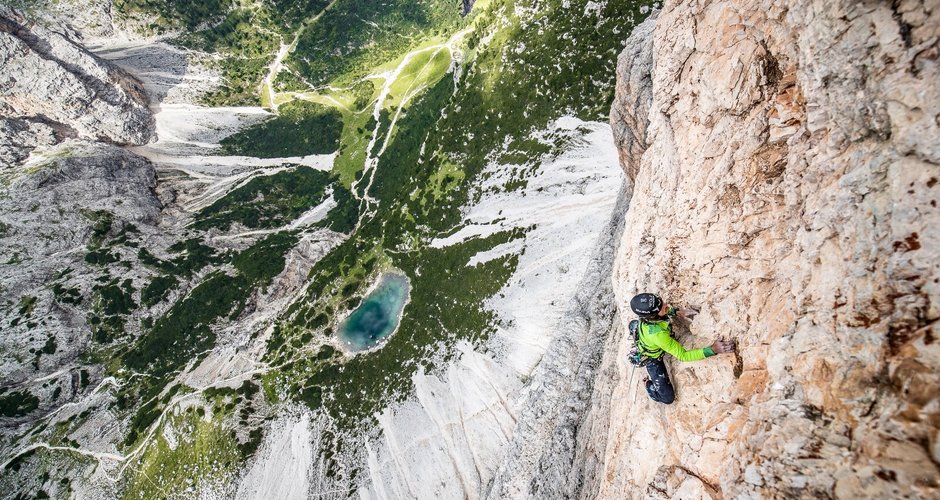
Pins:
x: 300, y: 128
x: 185, y: 332
x: 369, y: 80
x: 356, y: 36
x: 437, y: 151
x: 267, y: 201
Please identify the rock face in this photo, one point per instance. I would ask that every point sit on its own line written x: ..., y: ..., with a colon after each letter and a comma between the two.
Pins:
x: 547, y: 456
x: 57, y: 209
x: 785, y: 164
x: 22, y: 135
x: 81, y: 19
x: 629, y: 115
x: 53, y: 216
x: 52, y: 89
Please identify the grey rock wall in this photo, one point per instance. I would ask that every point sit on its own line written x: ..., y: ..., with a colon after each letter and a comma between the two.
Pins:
x: 785, y: 170
x: 52, y: 216
x: 552, y: 453
x: 55, y: 89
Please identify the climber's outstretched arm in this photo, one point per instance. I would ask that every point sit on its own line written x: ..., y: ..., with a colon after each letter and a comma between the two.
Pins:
x: 672, y: 346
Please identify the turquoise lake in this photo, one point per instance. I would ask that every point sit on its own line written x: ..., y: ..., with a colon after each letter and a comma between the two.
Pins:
x: 378, y: 315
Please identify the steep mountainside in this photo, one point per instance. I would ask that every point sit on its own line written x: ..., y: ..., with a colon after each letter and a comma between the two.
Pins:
x: 785, y: 167
x: 58, y: 208
x: 176, y: 303
x: 53, y: 89
x: 196, y: 197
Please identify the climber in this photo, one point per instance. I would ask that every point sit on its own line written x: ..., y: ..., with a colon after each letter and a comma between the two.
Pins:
x: 653, y: 336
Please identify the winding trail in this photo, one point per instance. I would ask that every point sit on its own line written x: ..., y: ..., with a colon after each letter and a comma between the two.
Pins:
x: 389, y: 78
x: 267, y: 85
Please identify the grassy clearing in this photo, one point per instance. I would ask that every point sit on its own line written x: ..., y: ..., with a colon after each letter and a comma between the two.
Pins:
x: 204, y: 451
x: 353, y: 144
x: 351, y: 89
x: 356, y: 36
x: 203, y: 457
x: 447, y: 178
x: 424, y: 69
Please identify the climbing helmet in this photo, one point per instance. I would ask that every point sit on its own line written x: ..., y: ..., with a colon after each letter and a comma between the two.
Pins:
x: 646, y: 305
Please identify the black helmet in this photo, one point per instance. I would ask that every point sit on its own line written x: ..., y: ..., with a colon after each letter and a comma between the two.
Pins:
x: 646, y: 305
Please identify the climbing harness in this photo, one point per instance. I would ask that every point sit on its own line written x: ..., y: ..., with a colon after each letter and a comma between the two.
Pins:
x: 637, y: 357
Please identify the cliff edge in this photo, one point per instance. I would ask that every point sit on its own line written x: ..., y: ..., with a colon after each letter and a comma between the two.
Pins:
x: 52, y: 89
x: 785, y: 171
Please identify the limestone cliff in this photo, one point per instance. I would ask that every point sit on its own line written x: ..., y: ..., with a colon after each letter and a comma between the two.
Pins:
x: 785, y: 168
x: 51, y: 214
x: 52, y: 89
x: 67, y: 190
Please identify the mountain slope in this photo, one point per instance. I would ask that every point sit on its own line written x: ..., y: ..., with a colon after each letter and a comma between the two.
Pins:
x: 435, y: 146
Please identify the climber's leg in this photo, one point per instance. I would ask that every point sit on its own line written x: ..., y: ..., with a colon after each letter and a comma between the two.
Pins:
x: 659, y: 387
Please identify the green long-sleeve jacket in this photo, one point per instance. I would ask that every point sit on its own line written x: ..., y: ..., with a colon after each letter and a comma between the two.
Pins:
x: 656, y: 338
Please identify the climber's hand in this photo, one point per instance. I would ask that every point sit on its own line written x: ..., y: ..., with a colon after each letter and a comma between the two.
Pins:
x: 688, y: 313
x: 722, y: 346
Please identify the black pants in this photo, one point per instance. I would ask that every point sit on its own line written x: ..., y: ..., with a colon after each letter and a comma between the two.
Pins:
x: 659, y: 387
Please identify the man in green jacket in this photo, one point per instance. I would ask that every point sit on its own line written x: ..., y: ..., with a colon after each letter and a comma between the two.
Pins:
x: 653, y: 333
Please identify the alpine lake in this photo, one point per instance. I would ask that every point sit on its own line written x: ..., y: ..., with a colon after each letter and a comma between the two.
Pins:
x: 378, y: 316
